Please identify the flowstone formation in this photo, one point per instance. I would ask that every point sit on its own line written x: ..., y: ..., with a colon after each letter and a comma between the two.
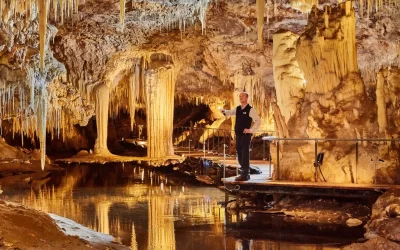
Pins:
x: 332, y: 102
x: 304, y: 71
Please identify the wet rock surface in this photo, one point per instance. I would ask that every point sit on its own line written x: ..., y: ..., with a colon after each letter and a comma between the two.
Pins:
x: 22, y: 228
x: 378, y: 243
x: 385, y: 219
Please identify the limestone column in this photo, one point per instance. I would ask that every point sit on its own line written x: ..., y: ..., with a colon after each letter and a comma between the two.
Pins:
x: 102, y: 96
x: 160, y: 88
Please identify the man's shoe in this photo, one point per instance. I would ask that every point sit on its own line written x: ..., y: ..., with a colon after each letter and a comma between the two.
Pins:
x: 242, y: 178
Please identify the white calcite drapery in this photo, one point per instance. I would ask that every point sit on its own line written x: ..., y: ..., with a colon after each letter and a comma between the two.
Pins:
x: 289, y: 79
x: 331, y: 54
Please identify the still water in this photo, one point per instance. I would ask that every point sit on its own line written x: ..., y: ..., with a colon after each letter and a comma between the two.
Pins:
x: 150, y: 210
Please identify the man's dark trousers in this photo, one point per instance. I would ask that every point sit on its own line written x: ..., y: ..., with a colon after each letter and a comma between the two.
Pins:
x: 243, y: 152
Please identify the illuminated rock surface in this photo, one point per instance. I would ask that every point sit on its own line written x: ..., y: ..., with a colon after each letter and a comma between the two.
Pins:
x: 310, y: 72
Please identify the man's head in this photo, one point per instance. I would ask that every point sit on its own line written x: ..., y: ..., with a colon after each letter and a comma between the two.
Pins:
x: 244, y: 98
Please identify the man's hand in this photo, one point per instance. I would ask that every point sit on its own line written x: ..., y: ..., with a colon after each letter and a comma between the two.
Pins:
x: 247, y: 131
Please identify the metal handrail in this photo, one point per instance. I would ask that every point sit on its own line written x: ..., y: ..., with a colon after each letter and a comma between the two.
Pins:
x: 316, y: 140
x: 270, y: 138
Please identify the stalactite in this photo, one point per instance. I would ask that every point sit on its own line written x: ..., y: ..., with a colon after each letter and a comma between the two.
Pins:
x: 260, y: 20
x: 102, y: 97
x: 42, y: 118
x: 42, y: 31
x: 122, y: 14
x: 381, y: 102
x: 132, y: 98
x: 327, y: 59
x: 361, y: 8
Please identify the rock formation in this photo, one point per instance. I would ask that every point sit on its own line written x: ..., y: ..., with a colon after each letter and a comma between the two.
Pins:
x: 306, y: 74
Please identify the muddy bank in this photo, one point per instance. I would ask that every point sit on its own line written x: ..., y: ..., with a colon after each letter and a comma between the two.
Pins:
x: 23, y: 228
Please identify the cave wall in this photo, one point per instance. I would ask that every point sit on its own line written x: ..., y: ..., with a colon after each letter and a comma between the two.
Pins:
x: 337, y: 104
x: 328, y: 73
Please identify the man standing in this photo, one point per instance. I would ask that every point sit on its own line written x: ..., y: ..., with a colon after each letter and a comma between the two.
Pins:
x: 244, y: 129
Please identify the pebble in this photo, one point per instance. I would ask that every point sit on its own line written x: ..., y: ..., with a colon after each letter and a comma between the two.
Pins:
x: 353, y: 222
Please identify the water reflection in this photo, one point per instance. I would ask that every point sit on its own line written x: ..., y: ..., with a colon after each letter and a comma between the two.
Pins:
x: 146, y: 210
x: 135, y: 204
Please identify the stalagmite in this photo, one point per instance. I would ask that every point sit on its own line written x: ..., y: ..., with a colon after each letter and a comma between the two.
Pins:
x: 102, y: 96
x: 260, y: 20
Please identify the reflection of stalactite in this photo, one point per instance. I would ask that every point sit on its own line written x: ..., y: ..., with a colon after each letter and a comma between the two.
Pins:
x: 134, y: 245
x: 102, y: 210
x: 161, y: 224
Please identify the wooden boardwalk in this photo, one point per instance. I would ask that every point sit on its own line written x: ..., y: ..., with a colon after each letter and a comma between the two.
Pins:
x: 261, y: 180
x: 263, y: 183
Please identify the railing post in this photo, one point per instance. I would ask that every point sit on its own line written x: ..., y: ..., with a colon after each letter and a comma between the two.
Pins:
x: 189, y: 146
x: 230, y: 142
x: 213, y: 144
x: 218, y: 141
x: 315, y: 160
x: 224, y: 159
x: 204, y: 149
x: 208, y: 140
x: 264, y: 150
x: 356, y: 179
x: 277, y: 161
